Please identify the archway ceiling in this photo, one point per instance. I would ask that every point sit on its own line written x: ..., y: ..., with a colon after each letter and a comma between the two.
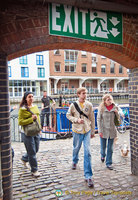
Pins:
x: 14, y: 11
x: 123, y: 6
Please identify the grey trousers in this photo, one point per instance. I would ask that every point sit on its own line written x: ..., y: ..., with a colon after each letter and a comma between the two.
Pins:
x: 1, y: 190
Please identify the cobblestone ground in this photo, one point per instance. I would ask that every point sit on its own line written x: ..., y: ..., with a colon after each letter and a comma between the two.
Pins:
x: 55, y: 159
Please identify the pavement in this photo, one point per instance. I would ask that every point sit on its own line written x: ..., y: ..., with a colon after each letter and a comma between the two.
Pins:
x: 59, y: 181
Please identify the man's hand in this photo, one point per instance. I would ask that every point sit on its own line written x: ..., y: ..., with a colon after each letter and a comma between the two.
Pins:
x: 14, y: 107
x: 101, y: 135
x: 80, y: 121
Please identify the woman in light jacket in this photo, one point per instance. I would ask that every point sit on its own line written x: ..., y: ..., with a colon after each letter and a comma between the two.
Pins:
x: 31, y: 142
x: 106, y: 128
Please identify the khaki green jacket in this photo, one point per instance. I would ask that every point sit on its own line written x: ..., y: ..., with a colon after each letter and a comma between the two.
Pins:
x: 73, y: 115
x: 25, y: 117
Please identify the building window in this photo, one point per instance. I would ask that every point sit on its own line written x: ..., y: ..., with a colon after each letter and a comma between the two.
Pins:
x: 9, y: 70
x: 18, y: 87
x: 41, y: 72
x: 57, y: 66
x: 39, y: 60
x: 23, y: 60
x: 112, y: 67
x: 71, y: 55
x: 94, y: 58
x: 84, y: 67
x: 120, y: 69
x: 103, y: 57
x: 70, y: 67
x: 83, y: 53
x: 94, y: 67
x: 103, y: 69
x: 70, y: 60
x: 24, y: 72
x: 56, y: 52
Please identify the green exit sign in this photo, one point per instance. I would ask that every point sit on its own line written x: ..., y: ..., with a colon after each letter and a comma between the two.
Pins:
x: 73, y: 22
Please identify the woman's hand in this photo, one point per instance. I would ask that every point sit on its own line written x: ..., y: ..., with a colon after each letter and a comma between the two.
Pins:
x: 34, y: 117
x: 116, y: 111
x: 101, y: 135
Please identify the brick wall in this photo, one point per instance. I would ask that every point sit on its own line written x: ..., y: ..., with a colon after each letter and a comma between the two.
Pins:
x: 5, y: 139
x: 24, y: 29
x: 133, y: 106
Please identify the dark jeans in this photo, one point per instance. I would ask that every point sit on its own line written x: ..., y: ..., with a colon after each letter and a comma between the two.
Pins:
x: 45, y: 112
x: 32, y: 146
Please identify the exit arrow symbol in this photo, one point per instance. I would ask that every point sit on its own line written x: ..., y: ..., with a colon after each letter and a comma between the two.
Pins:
x: 114, y: 32
x: 114, y: 21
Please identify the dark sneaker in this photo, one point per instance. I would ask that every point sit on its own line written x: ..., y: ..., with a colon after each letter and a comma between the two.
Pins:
x: 74, y: 166
x: 90, y: 182
x: 102, y: 159
x: 24, y: 163
x: 110, y: 167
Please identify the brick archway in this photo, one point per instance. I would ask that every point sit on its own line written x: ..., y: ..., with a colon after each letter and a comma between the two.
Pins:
x: 24, y: 30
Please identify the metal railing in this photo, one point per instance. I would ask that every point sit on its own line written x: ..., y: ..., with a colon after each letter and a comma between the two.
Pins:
x: 59, y: 126
x: 56, y: 129
x: 90, y: 90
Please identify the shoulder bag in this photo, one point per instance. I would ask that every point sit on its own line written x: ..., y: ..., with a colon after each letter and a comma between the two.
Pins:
x: 31, y: 129
x: 117, y: 120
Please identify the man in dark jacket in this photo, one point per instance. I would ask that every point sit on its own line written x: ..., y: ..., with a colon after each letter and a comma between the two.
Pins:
x: 45, y: 108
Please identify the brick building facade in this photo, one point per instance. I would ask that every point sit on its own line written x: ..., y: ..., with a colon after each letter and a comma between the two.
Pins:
x: 70, y: 69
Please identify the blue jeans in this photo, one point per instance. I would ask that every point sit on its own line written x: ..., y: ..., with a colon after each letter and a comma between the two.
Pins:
x: 77, y: 142
x: 32, y: 146
x: 103, y: 142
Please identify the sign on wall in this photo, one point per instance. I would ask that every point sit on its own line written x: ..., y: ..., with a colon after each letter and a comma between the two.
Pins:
x: 69, y: 21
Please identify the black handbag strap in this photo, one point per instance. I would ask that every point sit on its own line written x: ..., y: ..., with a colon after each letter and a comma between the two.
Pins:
x: 79, y: 110
x: 28, y: 109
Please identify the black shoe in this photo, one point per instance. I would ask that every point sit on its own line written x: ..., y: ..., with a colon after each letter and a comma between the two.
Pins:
x: 90, y: 182
x: 110, y: 167
x: 74, y: 166
x: 102, y: 159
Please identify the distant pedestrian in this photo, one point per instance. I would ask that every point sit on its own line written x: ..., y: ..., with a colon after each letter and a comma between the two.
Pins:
x: 13, y: 108
x: 31, y: 142
x: 45, y: 109
x: 81, y: 115
x: 60, y: 101
x: 106, y: 128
